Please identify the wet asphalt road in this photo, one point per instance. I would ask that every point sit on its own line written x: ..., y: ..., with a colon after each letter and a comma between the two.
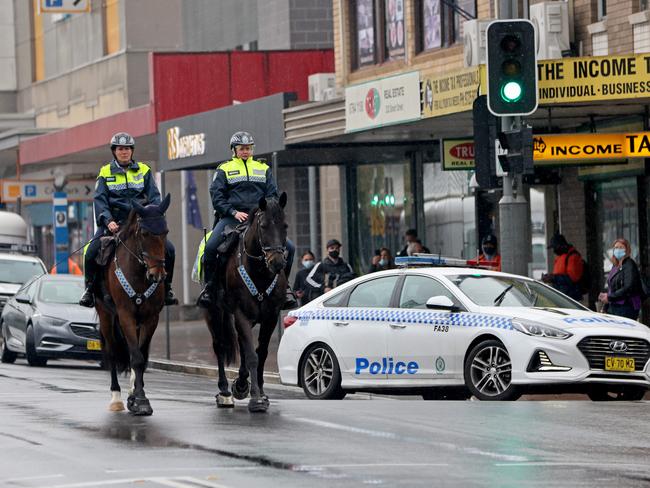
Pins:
x: 55, y: 431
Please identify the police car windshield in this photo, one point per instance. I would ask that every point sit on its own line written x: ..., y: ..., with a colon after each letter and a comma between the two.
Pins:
x: 19, y: 272
x: 488, y: 291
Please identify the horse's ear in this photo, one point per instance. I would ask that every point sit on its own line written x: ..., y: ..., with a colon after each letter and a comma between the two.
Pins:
x: 283, y: 199
x: 164, y: 205
x: 139, y: 209
x: 262, y: 204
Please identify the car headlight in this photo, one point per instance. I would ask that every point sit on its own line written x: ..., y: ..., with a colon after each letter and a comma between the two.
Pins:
x: 539, y: 330
x: 53, y: 321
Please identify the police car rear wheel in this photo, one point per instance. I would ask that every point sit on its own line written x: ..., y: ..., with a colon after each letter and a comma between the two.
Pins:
x: 488, y: 372
x: 320, y: 375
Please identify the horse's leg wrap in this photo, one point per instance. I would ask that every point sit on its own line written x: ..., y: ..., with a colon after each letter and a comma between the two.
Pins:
x: 225, y: 400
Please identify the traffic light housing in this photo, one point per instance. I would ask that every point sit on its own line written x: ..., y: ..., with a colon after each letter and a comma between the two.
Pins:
x: 519, y: 144
x: 511, y: 67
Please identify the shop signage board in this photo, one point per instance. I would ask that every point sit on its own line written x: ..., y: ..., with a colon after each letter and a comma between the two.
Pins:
x: 382, y: 102
x: 597, y: 78
x: 184, y: 146
x: 552, y: 149
x: 457, y: 154
x: 32, y: 191
x: 64, y: 6
x: 451, y: 92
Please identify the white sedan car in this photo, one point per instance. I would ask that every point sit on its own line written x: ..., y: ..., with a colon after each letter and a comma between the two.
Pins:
x: 455, y: 332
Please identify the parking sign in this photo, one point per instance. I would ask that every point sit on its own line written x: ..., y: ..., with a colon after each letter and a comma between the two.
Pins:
x: 64, y: 6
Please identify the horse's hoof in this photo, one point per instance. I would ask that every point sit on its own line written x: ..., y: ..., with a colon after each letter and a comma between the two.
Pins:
x: 116, y: 406
x: 240, y: 392
x: 225, y: 400
x: 266, y: 400
x: 257, y: 405
x: 139, y: 406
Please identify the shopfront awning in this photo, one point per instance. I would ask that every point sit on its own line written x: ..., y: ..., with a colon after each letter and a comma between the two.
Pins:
x: 88, y: 143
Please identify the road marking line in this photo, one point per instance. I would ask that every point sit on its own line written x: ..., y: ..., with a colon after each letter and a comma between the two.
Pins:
x: 180, y: 482
x: 390, y: 435
x: 576, y: 464
x: 313, y: 467
x: 31, y: 478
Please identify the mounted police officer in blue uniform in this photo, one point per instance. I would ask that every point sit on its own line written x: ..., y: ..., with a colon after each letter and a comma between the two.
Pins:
x: 119, y: 183
x: 237, y: 186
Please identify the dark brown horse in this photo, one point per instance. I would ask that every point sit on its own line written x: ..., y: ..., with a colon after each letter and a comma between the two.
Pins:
x: 255, y: 289
x: 130, y: 300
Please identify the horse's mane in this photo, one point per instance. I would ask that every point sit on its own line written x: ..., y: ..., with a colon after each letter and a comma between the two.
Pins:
x: 129, y: 226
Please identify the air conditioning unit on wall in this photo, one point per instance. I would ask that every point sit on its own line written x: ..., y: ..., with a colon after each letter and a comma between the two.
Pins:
x: 551, y: 21
x: 474, y: 42
x: 321, y: 86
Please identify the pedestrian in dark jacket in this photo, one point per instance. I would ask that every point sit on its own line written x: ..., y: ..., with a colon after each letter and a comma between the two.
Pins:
x: 623, y: 296
x: 301, y: 288
x: 331, y: 271
x: 411, y: 237
x: 567, y: 268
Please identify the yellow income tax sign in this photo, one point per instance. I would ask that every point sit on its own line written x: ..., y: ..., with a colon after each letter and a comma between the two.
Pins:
x: 548, y: 148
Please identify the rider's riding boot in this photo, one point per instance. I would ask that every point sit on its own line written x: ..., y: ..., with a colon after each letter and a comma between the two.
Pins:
x: 88, y: 298
x: 206, y: 298
x: 170, y: 298
x: 290, y: 300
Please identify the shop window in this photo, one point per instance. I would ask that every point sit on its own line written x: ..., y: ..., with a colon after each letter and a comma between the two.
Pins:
x: 440, y: 22
x: 378, y: 31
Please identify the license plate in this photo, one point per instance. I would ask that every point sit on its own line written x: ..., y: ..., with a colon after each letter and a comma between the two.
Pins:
x: 94, y: 345
x: 613, y: 363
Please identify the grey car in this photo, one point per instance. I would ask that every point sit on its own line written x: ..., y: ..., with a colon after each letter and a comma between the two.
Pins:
x: 43, y: 321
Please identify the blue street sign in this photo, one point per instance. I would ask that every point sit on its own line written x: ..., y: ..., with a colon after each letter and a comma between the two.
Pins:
x: 60, y: 217
x: 30, y: 190
x: 54, y: 3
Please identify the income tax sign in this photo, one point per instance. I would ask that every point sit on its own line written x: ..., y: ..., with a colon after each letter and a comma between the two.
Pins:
x: 563, y: 147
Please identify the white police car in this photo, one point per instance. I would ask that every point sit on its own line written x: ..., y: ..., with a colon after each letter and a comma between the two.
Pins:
x: 454, y: 332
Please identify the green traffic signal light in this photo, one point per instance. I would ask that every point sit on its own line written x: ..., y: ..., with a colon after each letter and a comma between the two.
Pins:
x: 511, y: 67
x: 374, y: 200
x: 511, y: 91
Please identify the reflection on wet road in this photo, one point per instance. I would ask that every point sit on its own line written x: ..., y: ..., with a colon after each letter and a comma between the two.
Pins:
x: 56, y: 432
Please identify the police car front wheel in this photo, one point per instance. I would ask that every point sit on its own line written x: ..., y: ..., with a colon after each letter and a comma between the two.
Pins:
x: 488, y: 372
x: 320, y: 375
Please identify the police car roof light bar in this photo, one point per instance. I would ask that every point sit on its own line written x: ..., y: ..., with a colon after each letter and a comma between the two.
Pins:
x: 435, y: 260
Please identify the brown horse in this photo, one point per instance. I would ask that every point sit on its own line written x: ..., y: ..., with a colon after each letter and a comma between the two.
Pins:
x: 255, y: 288
x: 131, y: 298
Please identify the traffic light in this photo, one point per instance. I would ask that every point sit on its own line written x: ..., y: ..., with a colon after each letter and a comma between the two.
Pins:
x: 511, y: 67
x: 519, y: 143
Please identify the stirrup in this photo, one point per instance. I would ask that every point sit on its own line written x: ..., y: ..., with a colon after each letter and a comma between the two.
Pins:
x: 205, y: 298
x: 170, y: 298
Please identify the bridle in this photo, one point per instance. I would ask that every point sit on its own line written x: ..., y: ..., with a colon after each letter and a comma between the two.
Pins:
x: 141, y: 256
x: 267, y: 251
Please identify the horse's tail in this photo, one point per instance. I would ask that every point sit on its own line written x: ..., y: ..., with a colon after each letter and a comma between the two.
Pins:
x: 226, y: 336
x: 120, y: 355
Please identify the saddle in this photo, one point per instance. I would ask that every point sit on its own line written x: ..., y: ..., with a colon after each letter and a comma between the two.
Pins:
x: 231, y: 238
x: 106, y: 250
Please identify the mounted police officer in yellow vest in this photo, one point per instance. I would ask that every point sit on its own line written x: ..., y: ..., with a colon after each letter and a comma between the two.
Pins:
x: 119, y: 183
x: 237, y: 186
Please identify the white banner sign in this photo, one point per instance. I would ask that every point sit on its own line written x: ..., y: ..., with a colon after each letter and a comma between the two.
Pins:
x: 64, y: 6
x: 382, y: 102
x: 31, y: 191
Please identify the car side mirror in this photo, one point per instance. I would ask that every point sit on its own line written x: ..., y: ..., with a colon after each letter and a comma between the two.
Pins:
x: 23, y: 298
x: 441, y: 303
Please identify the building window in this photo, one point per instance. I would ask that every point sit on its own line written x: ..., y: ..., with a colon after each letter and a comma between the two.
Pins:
x: 111, y: 12
x: 602, y: 9
x: 394, y: 31
x: 440, y: 22
x: 364, y: 28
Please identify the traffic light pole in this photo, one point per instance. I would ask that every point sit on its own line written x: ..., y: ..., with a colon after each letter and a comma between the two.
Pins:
x: 513, y: 211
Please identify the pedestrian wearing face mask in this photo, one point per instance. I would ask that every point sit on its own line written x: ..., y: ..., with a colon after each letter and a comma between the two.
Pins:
x: 568, y: 268
x: 331, y: 271
x: 623, y: 296
x: 381, y: 261
x: 490, y: 257
x: 301, y: 288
